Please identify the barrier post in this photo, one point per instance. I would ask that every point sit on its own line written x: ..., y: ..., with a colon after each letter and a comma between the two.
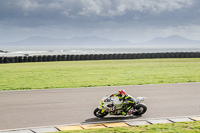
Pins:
x: 1, y: 60
x: 87, y: 57
x: 16, y: 59
x: 96, y: 57
x: 68, y: 57
x: 39, y: 58
x: 105, y: 56
x: 138, y: 56
x: 162, y: 55
x: 148, y: 55
x: 72, y: 57
x: 9, y: 60
x: 54, y: 57
x: 119, y: 56
x: 134, y: 56
x: 101, y: 57
x: 59, y: 58
x: 12, y: 59
x: 20, y: 58
x: 198, y: 54
x: 63, y: 57
x: 178, y: 55
x: 25, y: 59
x: 192, y: 55
x: 91, y: 56
x: 115, y: 56
x: 110, y: 56
x: 82, y: 57
x: 44, y: 58
x: 35, y: 59
x: 6, y: 60
x: 158, y: 55
x: 49, y: 57
x: 124, y: 56
x: 142, y: 55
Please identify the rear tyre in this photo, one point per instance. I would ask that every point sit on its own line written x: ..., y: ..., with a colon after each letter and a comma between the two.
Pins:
x: 97, y: 113
x: 140, y: 109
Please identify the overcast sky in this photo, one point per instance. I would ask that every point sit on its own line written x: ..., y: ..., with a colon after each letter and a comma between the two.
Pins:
x: 132, y: 20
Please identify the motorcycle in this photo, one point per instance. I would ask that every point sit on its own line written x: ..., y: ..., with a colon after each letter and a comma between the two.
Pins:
x: 113, y: 106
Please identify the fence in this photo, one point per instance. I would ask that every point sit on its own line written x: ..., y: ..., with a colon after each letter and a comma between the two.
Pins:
x: 46, y: 58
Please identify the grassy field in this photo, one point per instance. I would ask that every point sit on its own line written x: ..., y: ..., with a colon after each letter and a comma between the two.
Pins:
x: 186, y: 127
x: 72, y: 74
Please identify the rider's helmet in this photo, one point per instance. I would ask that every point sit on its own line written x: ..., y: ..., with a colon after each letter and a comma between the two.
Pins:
x: 122, y: 93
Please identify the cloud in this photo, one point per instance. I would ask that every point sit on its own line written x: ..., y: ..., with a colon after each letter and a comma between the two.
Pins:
x: 28, y: 5
x: 37, y: 12
x: 120, y: 7
x: 104, y: 8
x: 114, y: 8
x: 117, y: 18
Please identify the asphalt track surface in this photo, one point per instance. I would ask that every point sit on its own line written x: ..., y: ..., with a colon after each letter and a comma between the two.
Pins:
x: 33, y: 108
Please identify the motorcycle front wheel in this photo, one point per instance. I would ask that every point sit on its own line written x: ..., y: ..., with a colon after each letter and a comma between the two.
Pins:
x: 97, y: 113
x: 140, y: 109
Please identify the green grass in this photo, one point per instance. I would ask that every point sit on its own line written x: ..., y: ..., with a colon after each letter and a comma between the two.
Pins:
x: 186, y: 127
x: 72, y: 74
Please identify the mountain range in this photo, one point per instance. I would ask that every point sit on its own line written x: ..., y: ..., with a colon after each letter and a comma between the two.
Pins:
x: 171, y: 41
x: 175, y: 41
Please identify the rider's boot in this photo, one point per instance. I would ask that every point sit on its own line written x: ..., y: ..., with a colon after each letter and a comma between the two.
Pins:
x: 124, y: 113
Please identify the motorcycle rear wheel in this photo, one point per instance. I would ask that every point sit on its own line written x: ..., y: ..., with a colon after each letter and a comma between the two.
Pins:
x: 97, y: 113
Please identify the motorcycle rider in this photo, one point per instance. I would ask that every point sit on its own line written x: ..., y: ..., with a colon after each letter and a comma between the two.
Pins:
x: 128, y: 99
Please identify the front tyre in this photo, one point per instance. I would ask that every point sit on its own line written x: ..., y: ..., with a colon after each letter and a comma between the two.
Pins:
x: 140, y: 109
x: 97, y: 113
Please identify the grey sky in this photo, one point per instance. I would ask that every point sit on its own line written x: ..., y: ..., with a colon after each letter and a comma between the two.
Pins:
x: 132, y: 20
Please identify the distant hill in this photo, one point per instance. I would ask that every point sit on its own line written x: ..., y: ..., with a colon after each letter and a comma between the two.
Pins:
x: 172, y: 41
x: 93, y: 41
x: 75, y: 41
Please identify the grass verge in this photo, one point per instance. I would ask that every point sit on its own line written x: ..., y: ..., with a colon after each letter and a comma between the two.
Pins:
x: 183, y: 127
x: 74, y: 74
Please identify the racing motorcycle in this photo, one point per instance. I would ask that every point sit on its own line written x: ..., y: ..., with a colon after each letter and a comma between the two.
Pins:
x: 113, y: 106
